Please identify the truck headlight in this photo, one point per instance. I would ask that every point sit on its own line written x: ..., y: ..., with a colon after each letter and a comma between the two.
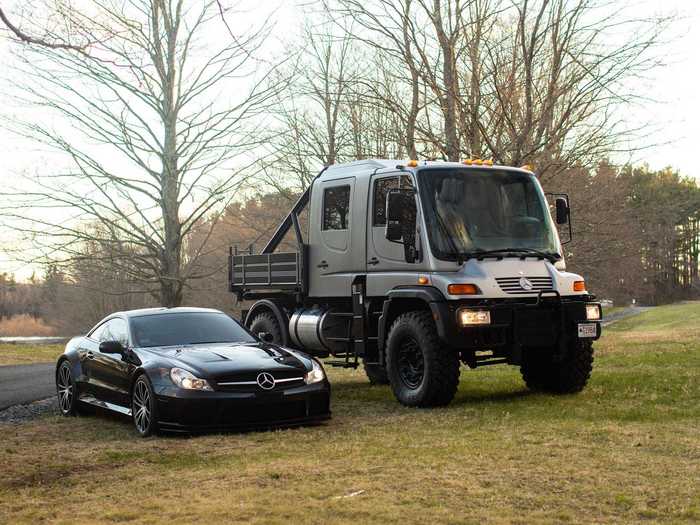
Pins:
x: 593, y: 312
x: 316, y: 374
x: 469, y: 317
x: 187, y: 380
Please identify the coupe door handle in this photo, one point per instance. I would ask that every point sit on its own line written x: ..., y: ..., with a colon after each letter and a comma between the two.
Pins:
x: 373, y: 261
x: 322, y: 264
x: 90, y: 355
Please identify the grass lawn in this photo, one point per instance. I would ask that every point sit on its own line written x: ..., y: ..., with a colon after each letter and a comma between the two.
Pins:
x: 21, y: 354
x: 626, y: 450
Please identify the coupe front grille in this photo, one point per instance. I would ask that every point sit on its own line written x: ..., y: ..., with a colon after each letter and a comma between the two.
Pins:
x: 249, y: 383
x: 513, y: 285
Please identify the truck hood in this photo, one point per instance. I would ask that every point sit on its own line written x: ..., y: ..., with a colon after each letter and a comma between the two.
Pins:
x: 487, y: 273
x: 212, y: 361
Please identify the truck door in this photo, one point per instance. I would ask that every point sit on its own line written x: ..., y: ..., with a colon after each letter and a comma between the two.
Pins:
x: 331, y: 258
x: 383, y: 255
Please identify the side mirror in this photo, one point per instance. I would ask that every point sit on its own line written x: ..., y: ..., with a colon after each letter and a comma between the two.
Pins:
x: 266, y: 337
x: 562, y: 208
x: 395, y: 201
x: 111, y: 347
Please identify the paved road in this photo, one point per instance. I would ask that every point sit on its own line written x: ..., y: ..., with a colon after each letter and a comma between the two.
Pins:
x: 25, y: 383
x: 624, y: 313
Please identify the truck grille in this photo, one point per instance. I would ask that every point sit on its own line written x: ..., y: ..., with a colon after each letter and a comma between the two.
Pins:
x: 514, y: 285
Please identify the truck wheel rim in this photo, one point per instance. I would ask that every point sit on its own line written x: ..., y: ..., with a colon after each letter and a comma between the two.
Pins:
x: 142, y: 407
x: 65, y: 389
x: 411, y: 364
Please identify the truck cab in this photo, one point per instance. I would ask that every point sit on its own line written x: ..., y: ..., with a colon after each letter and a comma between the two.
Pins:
x: 415, y: 267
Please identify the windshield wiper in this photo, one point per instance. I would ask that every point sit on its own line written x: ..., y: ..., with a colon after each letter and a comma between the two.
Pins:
x: 552, y: 257
x: 453, y: 247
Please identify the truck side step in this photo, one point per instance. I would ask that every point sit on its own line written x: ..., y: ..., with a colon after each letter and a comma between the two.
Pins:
x: 342, y: 363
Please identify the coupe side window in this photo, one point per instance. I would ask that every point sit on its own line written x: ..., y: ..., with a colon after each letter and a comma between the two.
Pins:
x: 119, y: 331
x: 381, y: 188
x: 336, y: 208
x: 97, y: 332
x: 114, y: 330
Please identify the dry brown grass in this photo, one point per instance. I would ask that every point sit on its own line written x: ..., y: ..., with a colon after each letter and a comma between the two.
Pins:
x: 25, y: 325
x: 24, y: 354
x: 626, y: 450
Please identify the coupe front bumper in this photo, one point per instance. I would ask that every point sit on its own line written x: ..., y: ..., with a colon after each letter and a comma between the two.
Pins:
x: 197, y: 411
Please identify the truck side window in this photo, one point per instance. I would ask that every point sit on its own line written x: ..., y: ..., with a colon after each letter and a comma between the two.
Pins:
x: 381, y: 188
x: 336, y: 208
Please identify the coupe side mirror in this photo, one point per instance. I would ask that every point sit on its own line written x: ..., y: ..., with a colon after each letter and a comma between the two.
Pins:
x: 111, y: 347
x: 266, y: 337
x: 562, y: 208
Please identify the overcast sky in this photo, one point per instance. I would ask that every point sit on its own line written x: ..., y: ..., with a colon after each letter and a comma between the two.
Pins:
x: 674, y: 117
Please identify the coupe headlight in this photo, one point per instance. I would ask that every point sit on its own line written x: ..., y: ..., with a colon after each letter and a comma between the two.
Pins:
x: 468, y: 317
x: 187, y: 380
x: 317, y: 374
x: 593, y: 312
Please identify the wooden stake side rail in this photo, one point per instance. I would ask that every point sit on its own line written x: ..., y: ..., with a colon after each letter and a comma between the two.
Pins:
x: 274, y: 271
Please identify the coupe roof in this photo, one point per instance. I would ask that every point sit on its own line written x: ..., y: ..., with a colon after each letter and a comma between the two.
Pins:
x: 163, y: 310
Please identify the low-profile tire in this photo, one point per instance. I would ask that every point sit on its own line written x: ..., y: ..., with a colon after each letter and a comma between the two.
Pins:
x: 376, y: 374
x: 421, y: 372
x: 66, y: 390
x: 143, y: 407
x: 567, y: 376
x: 267, y: 322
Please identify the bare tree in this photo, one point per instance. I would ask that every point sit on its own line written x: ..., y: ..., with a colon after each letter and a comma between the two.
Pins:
x: 312, y: 115
x: 155, y: 138
x: 534, y: 81
x: 554, y: 83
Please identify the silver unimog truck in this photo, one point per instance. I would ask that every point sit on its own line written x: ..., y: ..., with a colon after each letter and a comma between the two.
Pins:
x: 415, y: 267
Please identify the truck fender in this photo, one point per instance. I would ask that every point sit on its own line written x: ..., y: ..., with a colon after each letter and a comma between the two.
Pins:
x: 410, y: 298
x: 277, y: 310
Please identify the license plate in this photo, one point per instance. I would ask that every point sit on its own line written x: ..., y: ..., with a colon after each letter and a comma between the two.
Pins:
x: 586, y: 330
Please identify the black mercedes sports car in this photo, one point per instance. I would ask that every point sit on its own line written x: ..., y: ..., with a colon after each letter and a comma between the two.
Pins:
x: 189, y: 369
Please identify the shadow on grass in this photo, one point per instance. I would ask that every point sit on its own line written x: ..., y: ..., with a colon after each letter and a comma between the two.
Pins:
x: 364, y: 391
x: 102, y: 416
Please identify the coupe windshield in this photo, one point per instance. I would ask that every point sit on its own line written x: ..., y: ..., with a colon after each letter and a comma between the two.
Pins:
x: 469, y: 211
x: 186, y: 329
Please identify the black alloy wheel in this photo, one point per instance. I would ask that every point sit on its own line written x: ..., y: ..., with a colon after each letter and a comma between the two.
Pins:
x: 143, y: 407
x: 66, y: 390
x: 411, y: 365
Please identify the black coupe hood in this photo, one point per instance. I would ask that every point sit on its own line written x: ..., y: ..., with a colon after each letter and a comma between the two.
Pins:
x: 222, y: 359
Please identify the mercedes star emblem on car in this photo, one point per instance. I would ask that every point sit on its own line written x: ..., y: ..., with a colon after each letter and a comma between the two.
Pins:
x: 266, y: 381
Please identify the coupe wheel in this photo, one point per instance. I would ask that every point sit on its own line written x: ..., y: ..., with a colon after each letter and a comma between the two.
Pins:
x: 143, y: 407
x: 66, y: 390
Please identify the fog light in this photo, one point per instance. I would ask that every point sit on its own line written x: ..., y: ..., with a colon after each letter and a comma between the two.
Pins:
x: 593, y: 312
x: 472, y: 317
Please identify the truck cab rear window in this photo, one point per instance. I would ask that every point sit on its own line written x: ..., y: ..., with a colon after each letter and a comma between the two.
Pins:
x: 336, y: 208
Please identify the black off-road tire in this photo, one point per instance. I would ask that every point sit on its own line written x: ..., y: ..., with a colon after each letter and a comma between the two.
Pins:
x: 267, y: 322
x: 415, y: 334
x: 376, y: 374
x: 568, y: 376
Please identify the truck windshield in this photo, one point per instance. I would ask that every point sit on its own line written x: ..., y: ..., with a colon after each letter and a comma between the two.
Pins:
x: 471, y: 211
